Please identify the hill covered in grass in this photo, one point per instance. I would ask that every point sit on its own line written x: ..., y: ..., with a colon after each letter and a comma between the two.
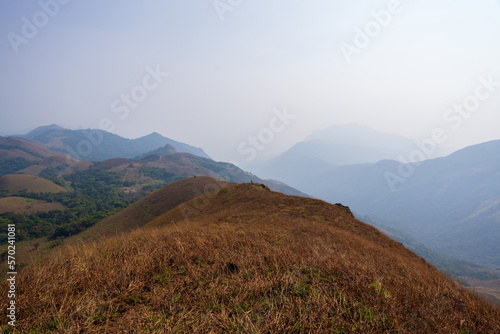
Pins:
x: 11, y: 147
x: 28, y: 183
x: 245, y: 259
x: 26, y: 205
x: 150, y: 207
x: 18, y: 155
x: 96, y: 191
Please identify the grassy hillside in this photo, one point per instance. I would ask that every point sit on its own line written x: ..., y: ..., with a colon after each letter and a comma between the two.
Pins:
x: 93, y: 195
x: 97, y: 191
x: 21, y: 156
x: 247, y: 260
x: 7, y: 154
x: 28, y: 150
x: 32, y: 170
x: 26, y: 205
x: 145, y: 210
x: 28, y: 183
x: 489, y: 289
x: 62, y: 166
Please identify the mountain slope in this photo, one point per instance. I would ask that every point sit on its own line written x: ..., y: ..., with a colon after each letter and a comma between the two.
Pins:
x: 154, y: 205
x: 168, y: 197
x: 21, y: 156
x: 28, y: 183
x: 99, y: 190
x: 451, y: 204
x: 98, y: 145
x: 248, y: 261
x: 10, y: 146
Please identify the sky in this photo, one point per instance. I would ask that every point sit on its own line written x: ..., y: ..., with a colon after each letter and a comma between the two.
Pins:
x: 226, y: 75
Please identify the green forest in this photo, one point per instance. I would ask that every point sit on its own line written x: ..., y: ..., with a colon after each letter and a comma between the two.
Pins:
x: 93, y: 195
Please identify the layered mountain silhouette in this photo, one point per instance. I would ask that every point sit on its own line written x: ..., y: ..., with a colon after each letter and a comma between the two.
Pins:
x: 99, y: 145
x: 336, y: 146
x: 163, y: 164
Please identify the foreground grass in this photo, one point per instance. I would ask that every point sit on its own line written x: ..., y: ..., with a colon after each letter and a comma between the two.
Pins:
x: 249, y: 262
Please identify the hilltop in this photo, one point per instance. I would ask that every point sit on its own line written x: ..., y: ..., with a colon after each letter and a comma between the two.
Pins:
x: 165, y: 150
x: 246, y: 259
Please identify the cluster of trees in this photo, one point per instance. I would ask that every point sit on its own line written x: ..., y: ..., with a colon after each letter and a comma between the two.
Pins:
x: 11, y: 166
x: 95, y: 196
x: 158, y: 173
x: 51, y: 174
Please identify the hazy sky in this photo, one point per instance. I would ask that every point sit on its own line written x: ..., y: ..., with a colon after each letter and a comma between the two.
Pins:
x: 233, y: 64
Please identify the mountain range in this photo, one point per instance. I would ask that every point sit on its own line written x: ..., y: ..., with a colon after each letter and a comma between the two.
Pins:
x: 19, y: 156
x: 53, y: 195
x: 337, y: 146
x: 99, y: 145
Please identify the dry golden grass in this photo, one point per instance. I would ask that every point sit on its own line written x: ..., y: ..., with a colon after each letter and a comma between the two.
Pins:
x: 29, y: 183
x: 33, y: 170
x: 489, y: 289
x: 27, y: 205
x: 303, y: 266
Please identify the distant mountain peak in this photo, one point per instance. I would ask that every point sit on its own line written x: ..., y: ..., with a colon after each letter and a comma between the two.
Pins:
x: 162, y: 151
x: 46, y: 128
x: 154, y: 134
x: 49, y: 127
